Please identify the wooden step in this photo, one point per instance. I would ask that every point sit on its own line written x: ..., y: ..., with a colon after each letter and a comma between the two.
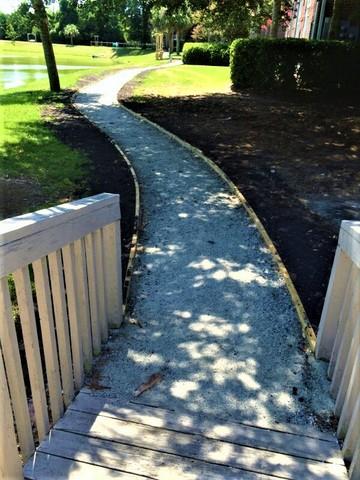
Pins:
x: 136, y: 441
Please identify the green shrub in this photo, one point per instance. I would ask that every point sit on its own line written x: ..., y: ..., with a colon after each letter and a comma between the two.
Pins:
x: 206, y: 54
x: 295, y: 64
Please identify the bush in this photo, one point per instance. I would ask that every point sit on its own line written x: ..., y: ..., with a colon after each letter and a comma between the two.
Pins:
x: 206, y: 54
x: 295, y: 64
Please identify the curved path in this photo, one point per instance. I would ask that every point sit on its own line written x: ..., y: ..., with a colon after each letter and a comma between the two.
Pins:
x: 218, y: 322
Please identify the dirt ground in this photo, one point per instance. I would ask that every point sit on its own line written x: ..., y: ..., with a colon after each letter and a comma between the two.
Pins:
x: 295, y: 160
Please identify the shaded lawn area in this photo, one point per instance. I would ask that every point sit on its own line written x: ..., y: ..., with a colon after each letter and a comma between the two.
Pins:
x: 296, y: 161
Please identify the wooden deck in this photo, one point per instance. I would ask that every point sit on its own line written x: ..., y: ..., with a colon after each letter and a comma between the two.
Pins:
x: 101, y: 439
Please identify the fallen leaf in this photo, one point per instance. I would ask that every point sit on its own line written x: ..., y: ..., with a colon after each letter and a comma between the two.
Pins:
x: 154, y: 379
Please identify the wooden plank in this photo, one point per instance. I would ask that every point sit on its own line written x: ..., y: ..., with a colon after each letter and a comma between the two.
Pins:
x: 354, y: 471
x: 348, y: 335
x: 45, y: 467
x: 73, y: 309
x: 113, y: 276
x: 14, y: 228
x: 197, y: 447
x: 332, y: 306
x: 43, y: 296
x: 31, y: 342
x: 349, y: 240
x: 93, y: 293
x: 29, y: 248
x: 342, y: 327
x: 62, y: 327
x: 100, y: 283
x: 134, y: 460
x: 353, y: 432
x: 349, y: 375
x: 14, y: 372
x: 215, y: 429
x: 83, y: 302
x: 164, y: 417
x: 10, y: 465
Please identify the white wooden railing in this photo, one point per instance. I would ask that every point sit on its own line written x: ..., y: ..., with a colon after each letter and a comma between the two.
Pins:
x: 339, y: 340
x: 74, y: 251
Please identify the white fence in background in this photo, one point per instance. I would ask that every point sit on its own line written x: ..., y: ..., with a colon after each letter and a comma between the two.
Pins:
x: 339, y: 340
x: 68, y: 258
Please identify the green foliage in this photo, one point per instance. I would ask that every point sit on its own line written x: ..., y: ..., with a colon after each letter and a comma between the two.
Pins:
x: 294, y: 64
x: 206, y: 54
x: 19, y: 23
x: 71, y: 31
x: 3, y: 25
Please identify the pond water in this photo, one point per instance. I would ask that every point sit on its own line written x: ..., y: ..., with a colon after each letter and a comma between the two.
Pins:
x: 18, y: 74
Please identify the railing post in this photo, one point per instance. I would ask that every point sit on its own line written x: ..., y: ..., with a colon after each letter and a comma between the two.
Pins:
x: 339, y: 341
x: 75, y: 254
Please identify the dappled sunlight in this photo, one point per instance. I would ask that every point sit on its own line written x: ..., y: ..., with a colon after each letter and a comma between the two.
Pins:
x: 217, y: 321
x: 182, y: 389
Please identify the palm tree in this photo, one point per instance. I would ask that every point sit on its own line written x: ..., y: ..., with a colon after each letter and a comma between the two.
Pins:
x: 71, y: 31
x: 42, y: 21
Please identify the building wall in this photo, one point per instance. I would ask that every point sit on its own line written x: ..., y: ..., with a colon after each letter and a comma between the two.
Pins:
x: 301, y: 19
x: 311, y: 19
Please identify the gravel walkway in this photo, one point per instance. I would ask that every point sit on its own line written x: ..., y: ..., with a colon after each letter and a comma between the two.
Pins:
x: 218, y: 322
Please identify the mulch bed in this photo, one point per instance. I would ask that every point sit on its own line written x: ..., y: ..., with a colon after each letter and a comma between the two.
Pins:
x: 108, y: 170
x: 296, y: 160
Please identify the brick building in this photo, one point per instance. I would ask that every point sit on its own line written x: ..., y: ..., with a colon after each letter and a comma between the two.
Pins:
x: 312, y: 18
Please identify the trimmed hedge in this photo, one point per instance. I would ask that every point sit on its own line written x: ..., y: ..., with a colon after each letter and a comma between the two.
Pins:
x: 295, y: 64
x: 206, y: 54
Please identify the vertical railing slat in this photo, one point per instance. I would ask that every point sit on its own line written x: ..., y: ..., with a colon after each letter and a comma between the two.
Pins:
x: 14, y: 371
x: 99, y: 259
x: 10, y: 464
x: 354, y: 470
x: 113, y: 278
x: 352, y: 435
x: 332, y: 306
x: 73, y: 308
x: 61, y: 322
x: 352, y: 395
x: 44, y: 303
x: 83, y: 302
x: 343, y: 324
x: 344, y: 349
x: 93, y: 294
x: 32, y: 350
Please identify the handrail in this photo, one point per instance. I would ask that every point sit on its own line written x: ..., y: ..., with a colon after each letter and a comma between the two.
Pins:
x: 65, y: 263
x: 339, y: 340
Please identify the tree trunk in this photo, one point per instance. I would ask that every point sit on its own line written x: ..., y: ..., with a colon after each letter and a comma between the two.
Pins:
x: 170, y: 41
x: 178, y: 42
x: 276, y: 12
x: 50, y: 61
x: 145, y: 15
x: 334, y: 29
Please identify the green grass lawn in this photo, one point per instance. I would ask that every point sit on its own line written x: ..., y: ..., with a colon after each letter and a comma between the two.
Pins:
x: 184, y: 80
x: 27, y: 147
